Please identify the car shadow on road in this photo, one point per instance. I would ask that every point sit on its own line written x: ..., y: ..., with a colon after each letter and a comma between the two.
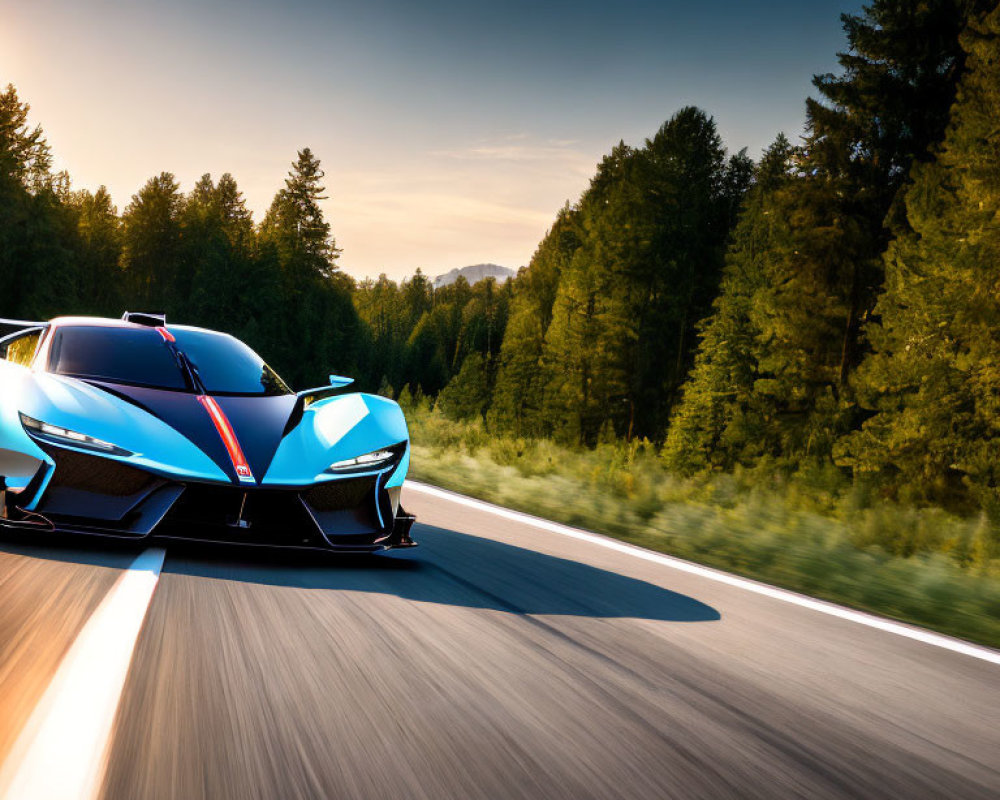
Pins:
x: 456, y: 569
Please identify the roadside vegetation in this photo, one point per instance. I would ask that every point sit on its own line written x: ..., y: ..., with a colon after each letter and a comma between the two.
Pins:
x: 814, y: 531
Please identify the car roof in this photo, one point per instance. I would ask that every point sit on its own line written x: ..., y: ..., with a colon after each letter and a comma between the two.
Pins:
x: 107, y: 322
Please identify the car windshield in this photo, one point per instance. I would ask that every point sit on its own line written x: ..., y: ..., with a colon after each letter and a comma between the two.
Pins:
x: 135, y: 356
x: 227, y: 366
x: 141, y: 357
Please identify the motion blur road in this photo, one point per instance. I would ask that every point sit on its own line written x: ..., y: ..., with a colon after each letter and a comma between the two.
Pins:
x: 496, y: 660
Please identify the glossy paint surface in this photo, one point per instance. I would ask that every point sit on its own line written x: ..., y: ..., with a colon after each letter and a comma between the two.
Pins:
x: 173, y: 433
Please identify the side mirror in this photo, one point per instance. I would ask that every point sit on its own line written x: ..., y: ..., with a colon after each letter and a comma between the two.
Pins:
x: 310, y: 396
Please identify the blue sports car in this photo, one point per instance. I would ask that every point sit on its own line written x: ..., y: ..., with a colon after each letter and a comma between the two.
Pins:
x: 135, y: 428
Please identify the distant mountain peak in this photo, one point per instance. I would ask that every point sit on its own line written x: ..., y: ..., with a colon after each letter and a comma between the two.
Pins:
x: 474, y: 273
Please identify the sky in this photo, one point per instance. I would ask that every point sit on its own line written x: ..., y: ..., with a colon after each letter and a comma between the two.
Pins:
x: 450, y: 132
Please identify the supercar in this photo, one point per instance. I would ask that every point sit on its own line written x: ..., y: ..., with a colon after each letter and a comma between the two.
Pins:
x: 134, y: 428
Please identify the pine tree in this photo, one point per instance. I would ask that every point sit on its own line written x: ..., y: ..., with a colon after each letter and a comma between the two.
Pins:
x: 382, y: 307
x: 321, y: 331
x: 582, y: 363
x: 98, y: 252
x: 418, y: 298
x: 217, y: 255
x: 429, y: 348
x: 687, y: 205
x: 449, y: 301
x: 516, y: 400
x: 151, y: 251
x: 483, y: 320
x: 934, y: 379
x: 25, y: 156
x: 885, y: 109
x: 717, y: 423
x: 37, y: 230
x: 466, y: 395
x: 654, y: 224
x: 237, y: 221
x: 295, y: 222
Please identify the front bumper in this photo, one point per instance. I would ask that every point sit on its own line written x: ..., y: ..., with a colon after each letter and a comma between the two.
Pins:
x: 94, y: 495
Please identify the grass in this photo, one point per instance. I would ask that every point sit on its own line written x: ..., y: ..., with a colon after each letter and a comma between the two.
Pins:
x: 812, y: 532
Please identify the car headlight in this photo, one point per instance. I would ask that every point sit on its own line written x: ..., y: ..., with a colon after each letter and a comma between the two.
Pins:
x: 56, y: 435
x: 373, y: 460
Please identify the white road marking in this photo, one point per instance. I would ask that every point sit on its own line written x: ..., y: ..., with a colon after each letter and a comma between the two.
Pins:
x: 871, y: 621
x: 62, y: 751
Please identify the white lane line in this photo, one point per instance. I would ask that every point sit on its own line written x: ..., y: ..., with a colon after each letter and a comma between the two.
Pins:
x: 860, y: 617
x: 63, y: 749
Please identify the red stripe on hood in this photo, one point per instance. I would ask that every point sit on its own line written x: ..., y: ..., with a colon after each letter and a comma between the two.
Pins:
x: 229, y: 439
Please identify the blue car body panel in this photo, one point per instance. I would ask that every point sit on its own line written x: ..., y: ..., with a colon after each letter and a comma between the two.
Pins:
x: 332, y: 430
x: 78, y: 406
x: 20, y: 457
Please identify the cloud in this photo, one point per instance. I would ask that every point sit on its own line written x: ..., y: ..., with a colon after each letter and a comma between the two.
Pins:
x: 560, y: 151
x: 563, y: 142
x: 441, y: 209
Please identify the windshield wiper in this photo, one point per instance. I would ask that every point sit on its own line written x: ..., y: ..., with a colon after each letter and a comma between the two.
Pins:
x: 189, y: 370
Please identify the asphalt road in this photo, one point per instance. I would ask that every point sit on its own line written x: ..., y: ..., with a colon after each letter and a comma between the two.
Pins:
x: 497, y: 660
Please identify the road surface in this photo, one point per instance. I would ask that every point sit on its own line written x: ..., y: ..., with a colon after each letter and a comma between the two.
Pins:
x: 497, y: 660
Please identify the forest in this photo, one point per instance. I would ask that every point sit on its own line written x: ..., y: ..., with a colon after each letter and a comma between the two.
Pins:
x: 829, y: 309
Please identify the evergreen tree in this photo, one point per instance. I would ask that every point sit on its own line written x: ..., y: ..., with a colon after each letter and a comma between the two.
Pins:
x: 37, y: 260
x: 483, y: 320
x: 654, y: 223
x: 417, y: 297
x: 884, y: 110
x: 151, y: 247
x: 218, y: 257
x: 382, y: 307
x: 466, y: 395
x: 25, y: 156
x: 237, y: 221
x: 98, y: 252
x: 516, y: 400
x: 582, y: 362
x: 934, y: 379
x: 428, y: 352
x: 448, y: 303
x: 718, y: 423
x: 296, y: 225
x: 684, y: 224
x: 321, y: 331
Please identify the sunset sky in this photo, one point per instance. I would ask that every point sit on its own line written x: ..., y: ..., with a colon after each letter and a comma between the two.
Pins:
x: 450, y: 132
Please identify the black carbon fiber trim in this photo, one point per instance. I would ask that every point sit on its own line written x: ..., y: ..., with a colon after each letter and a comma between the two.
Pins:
x: 88, y: 473
x: 340, y: 495
x: 219, y: 513
x: 92, y: 487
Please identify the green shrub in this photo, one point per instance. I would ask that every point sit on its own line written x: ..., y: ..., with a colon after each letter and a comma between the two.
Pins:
x: 811, y: 531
